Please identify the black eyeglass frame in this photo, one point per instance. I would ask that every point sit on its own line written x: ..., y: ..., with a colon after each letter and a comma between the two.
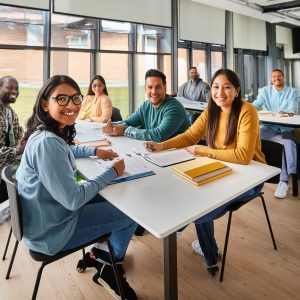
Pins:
x: 69, y: 98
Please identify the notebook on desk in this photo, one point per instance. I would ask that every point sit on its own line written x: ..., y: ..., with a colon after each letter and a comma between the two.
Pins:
x: 202, y: 170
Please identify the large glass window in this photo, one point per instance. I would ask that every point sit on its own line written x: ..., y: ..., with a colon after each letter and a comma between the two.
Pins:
x: 182, y: 66
x: 74, y: 64
x: 114, y: 69
x: 115, y: 36
x: 20, y: 26
x: 216, y: 61
x: 261, y: 71
x: 200, y: 63
x: 153, y: 39
x: 72, y: 32
x: 249, y: 73
x: 27, y: 67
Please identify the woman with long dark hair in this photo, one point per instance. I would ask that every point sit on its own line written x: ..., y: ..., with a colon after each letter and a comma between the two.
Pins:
x: 96, y: 106
x: 59, y: 213
x: 231, y: 128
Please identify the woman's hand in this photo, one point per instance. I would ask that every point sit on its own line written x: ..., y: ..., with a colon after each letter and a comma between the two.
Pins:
x: 119, y: 166
x: 153, y: 147
x: 105, y: 154
x: 192, y: 149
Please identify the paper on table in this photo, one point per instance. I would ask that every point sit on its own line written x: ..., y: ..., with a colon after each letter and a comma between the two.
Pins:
x: 165, y: 158
x: 134, y: 168
x: 89, y: 137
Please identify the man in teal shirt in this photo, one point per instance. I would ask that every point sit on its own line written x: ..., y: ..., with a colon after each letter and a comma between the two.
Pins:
x: 280, y: 98
x: 159, y: 118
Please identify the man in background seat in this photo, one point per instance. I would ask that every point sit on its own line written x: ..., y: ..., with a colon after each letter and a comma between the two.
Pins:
x: 280, y: 98
x: 194, y: 89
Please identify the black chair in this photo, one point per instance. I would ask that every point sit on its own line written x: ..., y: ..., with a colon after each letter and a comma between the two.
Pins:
x: 7, y: 243
x: 116, y: 115
x: 273, y: 152
x: 17, y: 229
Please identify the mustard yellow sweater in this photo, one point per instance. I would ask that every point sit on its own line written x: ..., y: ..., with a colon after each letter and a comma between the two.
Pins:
x: 245, y: 147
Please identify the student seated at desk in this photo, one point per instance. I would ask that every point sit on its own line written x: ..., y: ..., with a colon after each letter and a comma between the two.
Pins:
x: 280, y: 98
x: 160, y: 117
x: 58, y: 213
x: 231, y: 127
x: 96, y: 105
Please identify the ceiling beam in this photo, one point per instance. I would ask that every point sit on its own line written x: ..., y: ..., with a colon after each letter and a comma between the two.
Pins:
x: 281, y: 6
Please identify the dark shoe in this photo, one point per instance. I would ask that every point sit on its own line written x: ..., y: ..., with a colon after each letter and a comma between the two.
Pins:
x: 105, y: 277
x: 139, y: 230
x: 86, y: 262
x: 212, y: 270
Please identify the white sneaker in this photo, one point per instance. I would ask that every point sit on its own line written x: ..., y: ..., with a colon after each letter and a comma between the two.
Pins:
x: 197, y: 249
x: 281, y: 190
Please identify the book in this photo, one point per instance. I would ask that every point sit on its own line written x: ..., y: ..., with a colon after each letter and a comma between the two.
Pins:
x: 100, y: 143
x: 134, y: 168
x: 202, y: 170
x: 165, y: 158
x: 82, y: 137
x: 266, y: 113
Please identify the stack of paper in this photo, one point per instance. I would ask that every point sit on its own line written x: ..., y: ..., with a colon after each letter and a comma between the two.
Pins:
x: 202, y: 170
x: 266, y: 113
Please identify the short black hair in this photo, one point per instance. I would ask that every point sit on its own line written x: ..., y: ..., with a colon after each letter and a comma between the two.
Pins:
x: 5, y: 78
x: 156, y: 73
x: 191, y: 68
x: 278, y: 70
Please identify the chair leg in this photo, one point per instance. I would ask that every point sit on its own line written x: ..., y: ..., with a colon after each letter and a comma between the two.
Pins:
x: 295, y: 184
x: 268, y: 220
x: 225, y: 246
x: 7, y: 243
x: 37, y: 281
x: 116, y: 272
x: 12, y: 259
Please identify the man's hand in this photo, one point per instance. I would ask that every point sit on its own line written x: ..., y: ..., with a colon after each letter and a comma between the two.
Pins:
x: 105, y: 154
x: 288, y: 114
x: 153, y: 147
x: 114, y: 130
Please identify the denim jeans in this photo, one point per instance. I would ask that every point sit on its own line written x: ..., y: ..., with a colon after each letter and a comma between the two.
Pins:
x: 98, y: 217
x: 205, y: 225
x: 289, y: 166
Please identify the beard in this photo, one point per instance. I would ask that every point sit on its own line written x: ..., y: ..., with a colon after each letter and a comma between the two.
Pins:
x: 8, y: 98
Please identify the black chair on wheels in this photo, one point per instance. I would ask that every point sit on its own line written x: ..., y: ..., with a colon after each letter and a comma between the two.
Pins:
x: 273, y: 152
x: 17, y: 229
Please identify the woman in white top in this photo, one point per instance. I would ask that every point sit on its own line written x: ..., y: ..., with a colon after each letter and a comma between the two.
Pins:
x: 96, y: 106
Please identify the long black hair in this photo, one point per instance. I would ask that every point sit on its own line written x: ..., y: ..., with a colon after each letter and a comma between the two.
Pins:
x: 41, y: 119
x: 214, y: 111
x: 97, y: 77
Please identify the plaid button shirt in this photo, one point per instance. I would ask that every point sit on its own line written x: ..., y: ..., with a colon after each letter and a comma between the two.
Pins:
x: 7, y: 154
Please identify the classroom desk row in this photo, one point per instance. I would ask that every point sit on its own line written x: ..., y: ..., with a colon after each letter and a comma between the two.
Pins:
x: 165, y: 202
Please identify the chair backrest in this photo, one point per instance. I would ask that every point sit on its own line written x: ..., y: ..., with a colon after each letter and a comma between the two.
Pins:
x: 116, y: 115
x: 14, y: 203
x: 273, y: 152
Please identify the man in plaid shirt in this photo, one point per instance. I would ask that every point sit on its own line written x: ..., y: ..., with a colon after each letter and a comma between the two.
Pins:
x: 10, y: 129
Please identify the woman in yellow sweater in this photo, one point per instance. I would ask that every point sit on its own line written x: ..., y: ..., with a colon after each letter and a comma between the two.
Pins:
x: 96, y: 105
x: 231, y: 128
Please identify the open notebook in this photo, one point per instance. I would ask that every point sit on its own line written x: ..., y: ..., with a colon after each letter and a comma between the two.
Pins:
x: 165, y: 158
x: 134, y: 168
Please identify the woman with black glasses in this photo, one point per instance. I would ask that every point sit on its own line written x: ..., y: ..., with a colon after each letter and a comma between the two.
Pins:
x: 59, y: 213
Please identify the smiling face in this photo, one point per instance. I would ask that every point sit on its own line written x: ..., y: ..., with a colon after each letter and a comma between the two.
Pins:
x: 9, y: 91
x: 278, y: 80
x: 193, y: 74
x: 64, y: 115
x: 223, y: 92
x: 155, y: 90
x: 98, y: 87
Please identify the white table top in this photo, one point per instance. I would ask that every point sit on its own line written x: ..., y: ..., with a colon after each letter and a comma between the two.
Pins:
x: 193, y: 105
x: 293, y: 121
x: 166, y: 202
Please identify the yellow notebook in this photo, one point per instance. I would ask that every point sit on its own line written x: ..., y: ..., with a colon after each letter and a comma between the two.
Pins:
x: 202, y: 170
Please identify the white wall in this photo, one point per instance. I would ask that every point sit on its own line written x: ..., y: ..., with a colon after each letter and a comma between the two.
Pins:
x: 284, y: 36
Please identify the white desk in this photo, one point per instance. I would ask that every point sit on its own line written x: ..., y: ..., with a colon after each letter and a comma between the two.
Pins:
x: 293, y: 121
x: 192, y: 105
x: 166, y: 202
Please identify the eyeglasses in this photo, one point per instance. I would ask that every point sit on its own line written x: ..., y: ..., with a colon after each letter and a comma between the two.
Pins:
x: 99, y: 85
x: 63, y: 100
